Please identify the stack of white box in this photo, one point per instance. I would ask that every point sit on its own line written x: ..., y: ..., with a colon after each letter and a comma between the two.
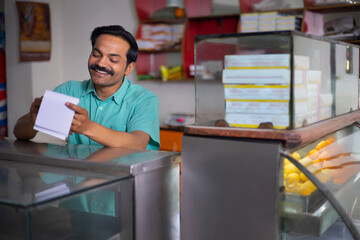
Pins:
x: 249, y: 22
x: 312, y: 102
x: 257, y: 90
x: 269, y: 21
x: 288, y: 23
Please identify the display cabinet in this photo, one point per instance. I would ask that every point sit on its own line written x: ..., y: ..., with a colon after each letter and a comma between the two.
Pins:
x: 246, y: 176
x: 337, y: 19
x: 285, y: 79
x: 171, y: 37
x: 87, y: 192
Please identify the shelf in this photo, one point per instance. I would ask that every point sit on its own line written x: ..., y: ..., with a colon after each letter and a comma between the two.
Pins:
x: 290, y: 138
x: 214, y: 16
x: 333, y: 8
x: 291, y: 11
x: 159, y: 80
x: 165, y: 21
x: 178, y: 49
x: 355, y: 41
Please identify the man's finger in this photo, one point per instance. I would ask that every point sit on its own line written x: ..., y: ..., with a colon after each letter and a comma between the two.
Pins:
x: 74, y: 107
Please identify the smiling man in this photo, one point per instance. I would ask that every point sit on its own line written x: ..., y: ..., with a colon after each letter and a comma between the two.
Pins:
x: 112, y: 111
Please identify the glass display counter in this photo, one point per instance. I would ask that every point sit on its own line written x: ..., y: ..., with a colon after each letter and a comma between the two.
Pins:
x: 286, y: 79
x: 87, y: 192
x: 263, y: 161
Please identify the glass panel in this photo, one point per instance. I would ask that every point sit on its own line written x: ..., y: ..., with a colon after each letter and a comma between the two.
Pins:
x: 335, y: 161
x: 92, y: 215
x: 283, y: 79
x: 346, y: 78
x: 26, y: 185
x: 312, y: 80
x: 221, y: 93
x: 325, y: 80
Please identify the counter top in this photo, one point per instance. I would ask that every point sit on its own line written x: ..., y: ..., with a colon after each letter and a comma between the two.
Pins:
x: 291, y: 138
x: 164, y: 126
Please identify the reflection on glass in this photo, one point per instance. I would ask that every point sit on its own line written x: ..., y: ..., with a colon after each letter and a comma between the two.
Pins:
x: 40, y: 201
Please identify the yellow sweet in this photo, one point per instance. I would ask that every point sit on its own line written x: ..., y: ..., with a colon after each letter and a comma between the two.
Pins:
x: 294, y: 155
x: 286, y: 161
x: 293, y: 178
x: 292, y: 182
x: 307, y: 188
x: 314, y: 169
x: 306, y: 161
x: 290, y: 168
x: 303, y: 178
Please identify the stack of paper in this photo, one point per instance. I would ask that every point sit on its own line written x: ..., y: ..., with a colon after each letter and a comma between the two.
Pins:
x: 54, y: 117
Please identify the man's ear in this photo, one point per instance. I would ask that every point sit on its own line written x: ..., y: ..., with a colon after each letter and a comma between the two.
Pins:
x: 129, y: 68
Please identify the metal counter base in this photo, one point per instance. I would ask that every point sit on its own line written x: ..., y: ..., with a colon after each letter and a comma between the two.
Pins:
x: 225, y: 193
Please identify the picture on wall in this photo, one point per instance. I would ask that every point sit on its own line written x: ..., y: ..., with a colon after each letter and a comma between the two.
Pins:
x: 34, y: 31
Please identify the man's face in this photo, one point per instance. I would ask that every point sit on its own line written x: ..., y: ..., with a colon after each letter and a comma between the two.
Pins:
x: 107, y: 61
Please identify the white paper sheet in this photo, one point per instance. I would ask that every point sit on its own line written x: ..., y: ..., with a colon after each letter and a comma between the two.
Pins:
x: 54, y: 117
x: 53, y: 192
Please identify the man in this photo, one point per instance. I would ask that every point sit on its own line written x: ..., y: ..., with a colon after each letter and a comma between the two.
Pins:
x: 112, y: 112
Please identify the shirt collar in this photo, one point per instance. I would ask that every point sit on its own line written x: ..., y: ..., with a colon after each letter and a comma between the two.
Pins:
x: 117, y: 96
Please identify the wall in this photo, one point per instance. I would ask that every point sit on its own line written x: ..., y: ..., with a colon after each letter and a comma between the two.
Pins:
x: 71, y: 25
x: 25, y: 80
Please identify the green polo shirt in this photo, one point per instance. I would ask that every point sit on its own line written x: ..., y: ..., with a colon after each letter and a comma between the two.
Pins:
x: 131, y: 108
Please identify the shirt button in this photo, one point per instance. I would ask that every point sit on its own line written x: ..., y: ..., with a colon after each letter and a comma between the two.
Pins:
x: 100, y: 108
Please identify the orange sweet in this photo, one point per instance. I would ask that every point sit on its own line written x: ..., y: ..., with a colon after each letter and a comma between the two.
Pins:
x: 321, y: 145
x: 313, y: 154
x: 331, y: 140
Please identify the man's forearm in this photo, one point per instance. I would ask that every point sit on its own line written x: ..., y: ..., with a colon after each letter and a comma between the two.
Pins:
x: 24, y: 128
x: 112, y: 138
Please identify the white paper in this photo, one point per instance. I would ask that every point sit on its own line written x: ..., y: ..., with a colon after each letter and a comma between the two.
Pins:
x: 54, y: 117
x: 56, y: 191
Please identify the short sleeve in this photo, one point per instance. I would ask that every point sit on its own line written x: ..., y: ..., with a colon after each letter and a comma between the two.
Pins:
x: 146, y: 118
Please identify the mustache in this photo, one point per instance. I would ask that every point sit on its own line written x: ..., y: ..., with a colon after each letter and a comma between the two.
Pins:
x: 103, y: 69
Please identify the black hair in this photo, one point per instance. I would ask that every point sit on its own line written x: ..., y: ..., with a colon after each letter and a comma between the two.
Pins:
x: 117, y: 31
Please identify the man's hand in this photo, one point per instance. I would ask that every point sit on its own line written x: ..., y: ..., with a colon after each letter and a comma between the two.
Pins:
x: 24, y: 126
x: 34, y: 109
x: 81, y: 122
x: 107, y: 137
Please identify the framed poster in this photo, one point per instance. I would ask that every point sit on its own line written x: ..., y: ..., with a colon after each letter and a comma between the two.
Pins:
x: 34, y: 31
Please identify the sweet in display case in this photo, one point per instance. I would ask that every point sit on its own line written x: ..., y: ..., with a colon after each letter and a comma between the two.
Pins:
x: 274, y: 151
x: 50, y: 191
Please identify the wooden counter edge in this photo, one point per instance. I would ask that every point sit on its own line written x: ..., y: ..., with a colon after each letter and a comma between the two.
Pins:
x: 291, y: 138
